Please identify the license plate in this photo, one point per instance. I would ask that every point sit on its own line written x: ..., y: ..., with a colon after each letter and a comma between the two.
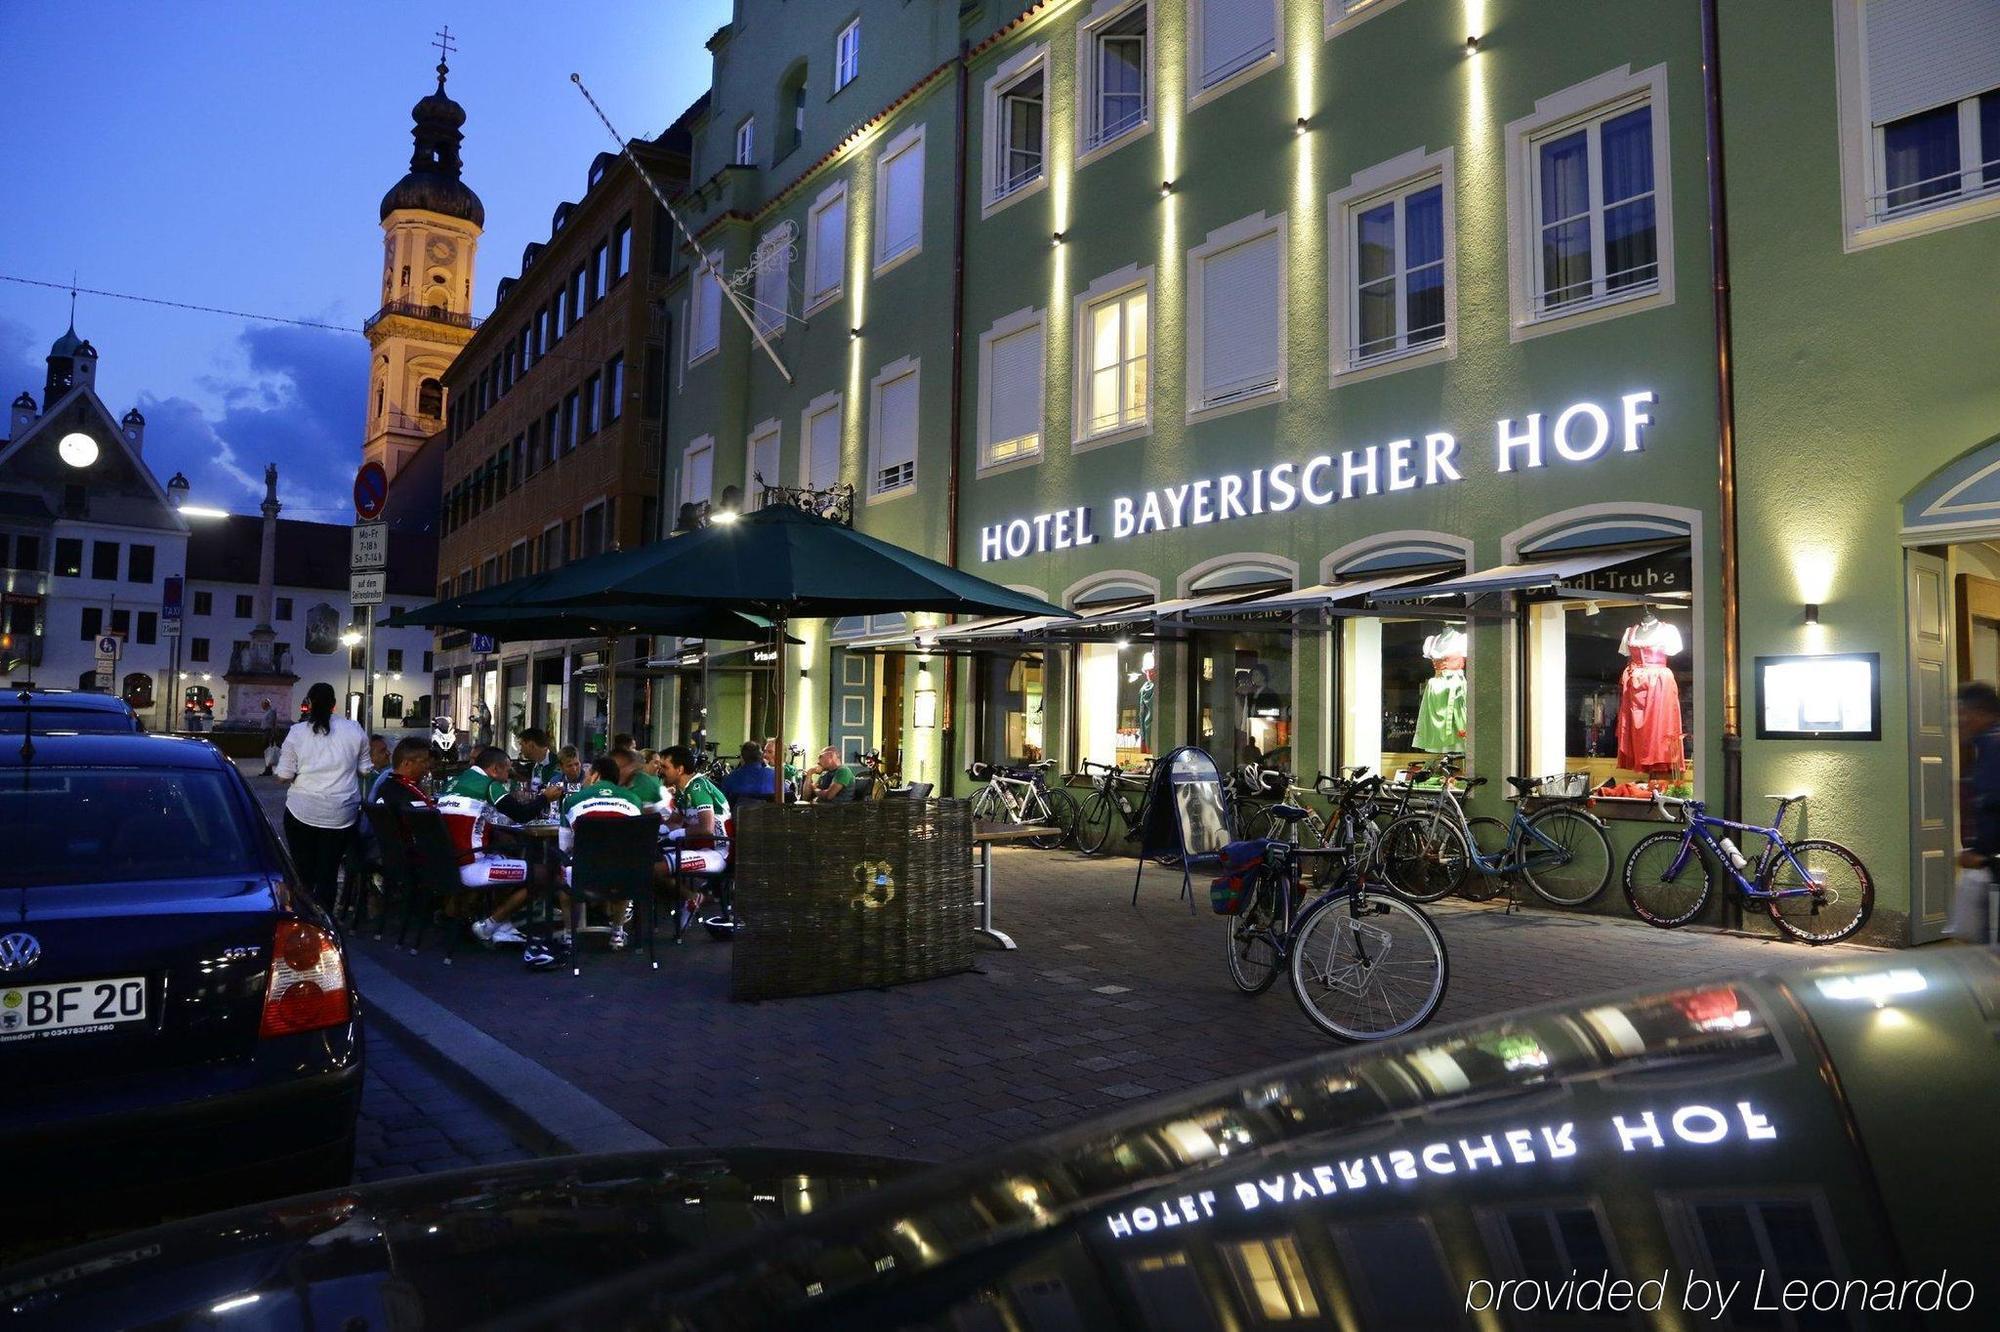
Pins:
x: 70, y: 1008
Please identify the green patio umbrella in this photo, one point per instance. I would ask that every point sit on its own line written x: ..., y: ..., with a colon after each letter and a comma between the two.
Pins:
x: 782, y: 563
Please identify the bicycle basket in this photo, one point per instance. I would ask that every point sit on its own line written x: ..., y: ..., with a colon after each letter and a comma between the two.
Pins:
x: 1243, y: 866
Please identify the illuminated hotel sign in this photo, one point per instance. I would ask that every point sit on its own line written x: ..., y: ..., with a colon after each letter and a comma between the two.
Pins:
x: 1528, y: 1147
x: 1582, y: 432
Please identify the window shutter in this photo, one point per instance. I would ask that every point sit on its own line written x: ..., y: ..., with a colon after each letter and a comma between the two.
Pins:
x: 829, y: 244
x: 700, y: 475
x: 1239, y: 314
x: 896, y: 432
x: 1234, y: 35
x: 1925, y: 53
x: 764, y: 463
x: 1014, y: 399
x: 824, y: 472
x: 774, y: 283
x: 903, y: 207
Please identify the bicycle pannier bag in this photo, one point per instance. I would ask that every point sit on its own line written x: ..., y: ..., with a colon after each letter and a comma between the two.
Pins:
x: 1242, y: 863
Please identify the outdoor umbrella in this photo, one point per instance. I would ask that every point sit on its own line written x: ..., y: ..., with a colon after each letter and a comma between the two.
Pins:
x: 782, y: 563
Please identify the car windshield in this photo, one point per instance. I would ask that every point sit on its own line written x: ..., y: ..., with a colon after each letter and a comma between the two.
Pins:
x: 56, y: 717
x: 98, y: 825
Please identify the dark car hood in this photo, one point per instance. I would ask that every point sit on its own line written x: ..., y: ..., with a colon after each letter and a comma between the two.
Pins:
x: 1832, y: 1119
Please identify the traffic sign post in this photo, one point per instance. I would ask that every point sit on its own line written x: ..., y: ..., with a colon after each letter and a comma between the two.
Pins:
x: 171, y: 593
x: 367, y: 567
x: 109, y: 647
x: 370, y: 547
x: 371, y: 491
x: 366, y: 589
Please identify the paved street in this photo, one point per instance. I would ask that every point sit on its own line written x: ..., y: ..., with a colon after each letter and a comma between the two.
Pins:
x: 413, y: 1122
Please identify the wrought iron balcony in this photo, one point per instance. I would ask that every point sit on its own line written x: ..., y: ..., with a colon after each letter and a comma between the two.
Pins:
x: 437, y: 314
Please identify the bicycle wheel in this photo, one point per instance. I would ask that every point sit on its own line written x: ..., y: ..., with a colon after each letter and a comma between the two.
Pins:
x: 1660, y: 894
x: 1060, y: 807
x: 1489, y: 838
x: 1832, y: 902
x: 1368, y: 969
x: 1254, y: 956
x: 986, y: 807
x: 1578, y: 869
x: 1424, y: 857
x: 1093, y: 822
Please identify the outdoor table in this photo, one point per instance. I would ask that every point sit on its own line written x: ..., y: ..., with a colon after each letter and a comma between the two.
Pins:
x: 984, y: 835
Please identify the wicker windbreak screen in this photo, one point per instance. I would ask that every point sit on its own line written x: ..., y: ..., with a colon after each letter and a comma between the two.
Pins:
x: 851, y: 895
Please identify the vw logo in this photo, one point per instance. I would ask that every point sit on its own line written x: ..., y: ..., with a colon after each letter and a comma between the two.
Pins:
x: 18, y: 952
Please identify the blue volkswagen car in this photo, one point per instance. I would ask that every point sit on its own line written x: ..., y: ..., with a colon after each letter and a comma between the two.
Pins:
x: 177, y: 1022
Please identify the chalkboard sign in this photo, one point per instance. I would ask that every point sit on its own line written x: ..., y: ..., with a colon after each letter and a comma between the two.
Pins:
x: 1186, y: 815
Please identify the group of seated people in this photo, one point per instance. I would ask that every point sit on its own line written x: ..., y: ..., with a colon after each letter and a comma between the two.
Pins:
x: 485, y: 806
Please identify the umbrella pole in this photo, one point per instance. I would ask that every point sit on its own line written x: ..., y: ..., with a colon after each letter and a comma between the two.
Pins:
x: 778, y: 708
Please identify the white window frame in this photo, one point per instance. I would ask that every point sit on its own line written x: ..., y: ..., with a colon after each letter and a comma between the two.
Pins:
x: 1407, y: 174
x: 832, y: 194
x: 766, y: 431
x: 771, y: 288
x: 1863, y: 174
x: 1239, y: 232
x: 1343, y: 15
x: 847, y: 54
x: 1102, y: 14
x: 697, y: 352
x: 745, y: 151
x: 1608, y: 95
x: 1005, y: 327
x: 1195, y: 39
x: 1019, y: 68
x: 904, y: 367
x: 910, y: 140
x: 826, y: 402
x: 700, y: 444
x: 1112, y: 286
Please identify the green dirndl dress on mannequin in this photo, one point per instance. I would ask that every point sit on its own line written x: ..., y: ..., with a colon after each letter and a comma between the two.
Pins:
x: 1441, y: 713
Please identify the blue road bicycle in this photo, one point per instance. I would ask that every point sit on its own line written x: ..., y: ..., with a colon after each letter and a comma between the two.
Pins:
x: 1817, y: 891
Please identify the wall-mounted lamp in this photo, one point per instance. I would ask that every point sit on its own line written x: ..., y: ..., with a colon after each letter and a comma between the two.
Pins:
x: 1166, y: 188
x: 1056, y: 238
x: 805, y: 674
x: 1123, y: 643
x: 926, y: 699
x: 1472, y: 45
x: 854, y: 332
x: 1299, y: 125
x: 1812, y: 612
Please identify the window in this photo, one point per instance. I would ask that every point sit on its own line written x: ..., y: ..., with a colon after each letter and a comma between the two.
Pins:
x: 821, y: 432
x: 1242, y: 687
x: 552, y: 435
x: 570, y: 418
x: 1344, y: 14
x: 698, y: 471
x: 893, y: 429
x: 1587, y: 233
x: 149, y: 626
x: 578, y: 297
x: 527, y: 347
x: 772, y: 293
x: 746, y: 142
x: 1228, y: 38
x: 761, y: 464
x: 204, y: 603
x: 899, y: 207
x: 1117, y: 684
x: 392, y: 707
x: 489, y: 571
x: 621, y: 248
x: 104, y: 560
x: 121, y: 622
x: 541, y: 330
x: 1114, y: 392
x: 1010, y: 388
x: 705, y: 317
x: 93, y: 623
x: 614, y: 388
x: 1271, y: 1278
x: 69, y: 557
x: 139, y: 563
x: 1782, y: 1241
x: 593, y: 402
x: 552, y: 551
x: 1236, y: 291
x: 600, y: 271
x: 245, y: 607
x: 197, y: 649
x: 75, y: 501
x: 826, y: 246
x: 1012, y: 706
x: 284, y: 608
x: 517, y: 462
x: 427, y: 660
x: 517, y: 560
x: 560, y: 318
x: 847, y: 55
x: 1113, y: 62
x: 592, y: 531
x: 1394, y: 254
x: 793, y: 102
x: 1920, y: 115
x: 1016, y: 126
x: 1548, y: 1243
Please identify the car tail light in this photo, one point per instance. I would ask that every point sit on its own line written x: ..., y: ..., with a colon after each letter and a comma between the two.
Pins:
x: 307, y: 987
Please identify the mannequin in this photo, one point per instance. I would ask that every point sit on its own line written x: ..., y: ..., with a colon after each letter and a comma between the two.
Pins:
x: 1148, y: 677
x: 1649, y: 700
x: 1441, y: 713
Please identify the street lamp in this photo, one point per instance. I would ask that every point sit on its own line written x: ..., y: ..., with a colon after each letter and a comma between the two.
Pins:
x: 350, y: 639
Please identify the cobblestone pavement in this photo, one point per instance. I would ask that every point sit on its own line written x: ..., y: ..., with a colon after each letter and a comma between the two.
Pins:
x: 1103, y: 1004
x: 412, y: 1122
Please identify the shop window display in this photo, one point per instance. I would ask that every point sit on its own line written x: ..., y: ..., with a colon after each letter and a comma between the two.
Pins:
x: 1243, y: 697
x: 1013, y: 709
x: 1117, y: 688
x: 1403, y: 691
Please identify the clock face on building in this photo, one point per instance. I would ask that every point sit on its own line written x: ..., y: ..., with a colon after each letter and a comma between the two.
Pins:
x: 441, y: 250
x: 77, y: 449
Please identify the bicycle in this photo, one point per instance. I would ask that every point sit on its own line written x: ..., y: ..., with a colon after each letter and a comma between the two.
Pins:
x: 1562, y: 850
x: 1109, y: 801
x: 1022, y: 796
x: 1364, y: 966
x: 879, y: 781
x: 1798, y: 882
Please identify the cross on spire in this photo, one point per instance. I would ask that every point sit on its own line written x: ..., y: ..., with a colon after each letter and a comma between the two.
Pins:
x: 445, y: 46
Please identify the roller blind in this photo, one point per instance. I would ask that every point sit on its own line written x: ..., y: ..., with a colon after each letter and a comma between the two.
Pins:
x: 1925, y: 53
x: 764, y: 464
x: 823, y: 464
x: 1239, y: 312
x: 1014, y: 398
x: 896, y: 432
x: 829, y: 244
x: 774, y: 282
x: 699, y: 481
x: 1234, y: 35
x: 902, y: 200
x: 707, y: 307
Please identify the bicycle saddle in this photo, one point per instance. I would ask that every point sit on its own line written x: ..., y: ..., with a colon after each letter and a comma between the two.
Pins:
x: 1523, y: 785
x: 1470, y: 782
x: 1289, y: 813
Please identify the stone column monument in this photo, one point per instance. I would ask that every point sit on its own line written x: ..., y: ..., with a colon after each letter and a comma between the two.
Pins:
x: 258, y: 672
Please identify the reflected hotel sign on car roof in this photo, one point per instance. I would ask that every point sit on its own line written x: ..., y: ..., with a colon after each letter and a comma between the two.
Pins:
x: 1581, y: 432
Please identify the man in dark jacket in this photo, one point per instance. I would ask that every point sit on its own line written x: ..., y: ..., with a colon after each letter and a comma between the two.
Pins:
x: 1979, y: 806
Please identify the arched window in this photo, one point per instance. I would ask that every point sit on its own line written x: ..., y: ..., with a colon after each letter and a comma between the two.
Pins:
x: 1117, y: 673
x: 430, y: 398
x: 138, y: 691
x: 1240, y: 684
x: 792, y: 100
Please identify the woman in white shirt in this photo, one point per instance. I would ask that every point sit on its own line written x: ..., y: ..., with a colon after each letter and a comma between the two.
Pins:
x: 322, y: 757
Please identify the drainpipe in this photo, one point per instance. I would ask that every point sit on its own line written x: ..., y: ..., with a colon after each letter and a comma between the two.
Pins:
x: 948, y: 714
x: 1725, y: 432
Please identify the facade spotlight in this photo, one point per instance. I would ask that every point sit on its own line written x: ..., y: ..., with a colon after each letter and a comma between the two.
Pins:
x: 1056, y: 238
x: 1299, y: 125
x: 854, y: 332
x: 1166, y: 188
x: 1472, y: 45
x: 1812, y: 612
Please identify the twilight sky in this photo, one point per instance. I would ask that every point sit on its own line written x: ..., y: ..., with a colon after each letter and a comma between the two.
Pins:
x: 235, y: 155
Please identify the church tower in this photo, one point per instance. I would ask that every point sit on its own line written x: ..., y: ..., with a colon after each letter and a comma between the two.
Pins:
x: 431, y: 221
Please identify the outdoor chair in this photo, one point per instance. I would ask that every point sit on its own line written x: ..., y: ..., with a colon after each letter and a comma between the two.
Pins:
x: 434, y: 879
x: 863, y: 788
x: 914, y: 791
x: 613, y: 858
x: 397, y: 874
x: 718, y: 888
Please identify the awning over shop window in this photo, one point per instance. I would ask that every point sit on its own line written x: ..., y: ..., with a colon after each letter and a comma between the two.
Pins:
x: 1522, y: 577
x: 1319, y: 596
x: 1174, y: 609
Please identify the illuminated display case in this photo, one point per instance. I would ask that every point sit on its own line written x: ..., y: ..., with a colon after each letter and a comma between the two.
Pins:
x: 1832, y: 696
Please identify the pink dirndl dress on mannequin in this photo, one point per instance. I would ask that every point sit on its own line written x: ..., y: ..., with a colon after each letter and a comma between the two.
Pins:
x: 1649, y: 714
